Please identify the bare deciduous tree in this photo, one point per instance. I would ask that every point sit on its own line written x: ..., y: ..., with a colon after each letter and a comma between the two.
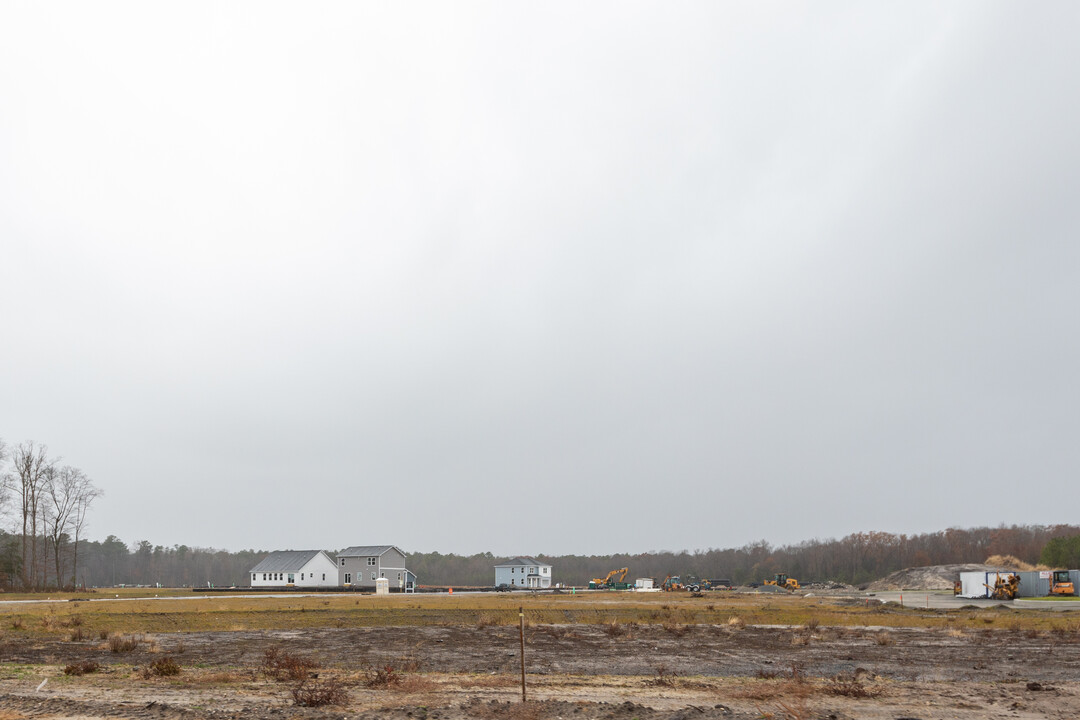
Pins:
x: 66, y: 492
x: 84, y: 498
x: 31, y: 463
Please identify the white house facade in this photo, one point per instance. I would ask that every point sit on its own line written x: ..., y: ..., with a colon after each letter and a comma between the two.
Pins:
x: 295, y: 568
x: 524, y: 573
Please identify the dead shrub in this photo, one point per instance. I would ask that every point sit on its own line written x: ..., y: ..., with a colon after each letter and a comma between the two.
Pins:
x: 103, y: 635
x: 77, y: 635
x: 16, y: 623
x: 850, y: 687
x: 381, y: 676
x: 49, y: 622
x: 812, y: 624
x: 884, y: 637
x: 71, y: 621
x: 410, y: 663
x: 82, y: 668
x: 614, y: 629
x: 282, y: 666
x: 664, y: 677
x: 736, y: 622
x: 124, y: 643
x: 485, y: 620
x: 675, y: 629
x: 319, y: 693
x: 162, y: 667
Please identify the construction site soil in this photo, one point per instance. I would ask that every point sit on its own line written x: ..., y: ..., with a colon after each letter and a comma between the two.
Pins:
x: 933, y: 577
x: 586, y: 672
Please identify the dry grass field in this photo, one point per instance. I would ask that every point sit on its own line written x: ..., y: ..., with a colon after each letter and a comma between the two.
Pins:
x: 589, y: 655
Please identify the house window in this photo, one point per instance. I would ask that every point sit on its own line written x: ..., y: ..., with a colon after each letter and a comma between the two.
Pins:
x: 253, y: 577
x: 264, y: 577
x: 301, y: 576
x: 372, y: 574
x: 342, y: 562
x: 371, y: 561
x: 382, y: 574
x: 348, y: 578
x: 292, y: 579
x: 324, y: 576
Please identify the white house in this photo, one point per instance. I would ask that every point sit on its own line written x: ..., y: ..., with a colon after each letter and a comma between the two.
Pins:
x: 295, y: 568
x: 523, y: 572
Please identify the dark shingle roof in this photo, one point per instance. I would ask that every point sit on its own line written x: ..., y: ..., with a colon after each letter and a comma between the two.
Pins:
x: 285, y: 561
x: 368, y: 550
x: 523, y: 560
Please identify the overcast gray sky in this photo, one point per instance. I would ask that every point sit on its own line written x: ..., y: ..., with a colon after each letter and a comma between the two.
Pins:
x: 544, y: 278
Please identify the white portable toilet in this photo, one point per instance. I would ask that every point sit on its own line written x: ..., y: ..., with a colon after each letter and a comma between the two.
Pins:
x: 382, y: 586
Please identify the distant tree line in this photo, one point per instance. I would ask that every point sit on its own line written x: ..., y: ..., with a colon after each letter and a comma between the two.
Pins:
x: 49, y: 503
x: 856, y: 559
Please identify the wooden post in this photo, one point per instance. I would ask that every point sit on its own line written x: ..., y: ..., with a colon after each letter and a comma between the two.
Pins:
x: 521, y: 627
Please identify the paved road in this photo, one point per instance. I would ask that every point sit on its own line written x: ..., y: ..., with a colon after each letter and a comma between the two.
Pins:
x: 946, y: 601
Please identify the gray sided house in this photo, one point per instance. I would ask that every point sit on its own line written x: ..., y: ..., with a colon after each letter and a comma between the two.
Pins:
x: 360, y: 566
x: 295, y: 568
x: 523, y: 572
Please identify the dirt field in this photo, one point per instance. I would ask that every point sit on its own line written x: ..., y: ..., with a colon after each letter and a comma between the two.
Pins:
x: 620, y: 670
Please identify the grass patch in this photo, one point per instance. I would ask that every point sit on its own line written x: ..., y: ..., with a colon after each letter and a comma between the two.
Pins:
x: 224, y: 614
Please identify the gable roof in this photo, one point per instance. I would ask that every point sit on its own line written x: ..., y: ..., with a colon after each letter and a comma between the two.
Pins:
x: 286, y: 561
x: 523, y: 560
x: 369, y: 551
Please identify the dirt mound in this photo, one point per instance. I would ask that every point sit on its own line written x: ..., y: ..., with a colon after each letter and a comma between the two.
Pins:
x: 933, y: 577
x: 1014, y: 563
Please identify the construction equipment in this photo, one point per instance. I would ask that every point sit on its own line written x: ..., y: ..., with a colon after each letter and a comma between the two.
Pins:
x: 694, y: 585
x: 610, y: 582
x: 782, y: 580
x: 1061, y: 583
x: 1006, y: 586
x: 671, y: 583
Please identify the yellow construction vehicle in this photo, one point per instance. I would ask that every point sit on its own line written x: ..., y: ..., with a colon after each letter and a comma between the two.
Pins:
x: 671, y: 583
x: 1061, y: 583
x: 611, y: 582
x: 782, y: 580
x: 1006, y: 586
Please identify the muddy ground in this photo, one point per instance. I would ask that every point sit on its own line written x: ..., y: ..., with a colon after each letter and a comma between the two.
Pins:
x: 579, y: 671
